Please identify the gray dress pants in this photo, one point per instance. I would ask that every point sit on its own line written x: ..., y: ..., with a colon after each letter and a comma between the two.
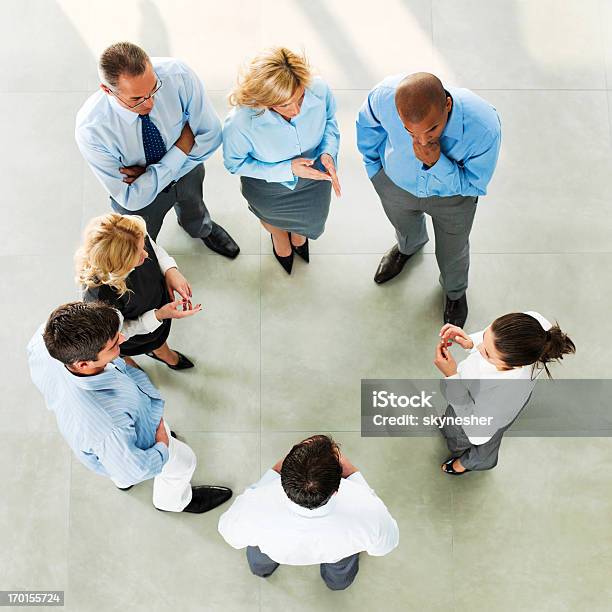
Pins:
x: 452, y: 221
x: 185, y: 196
x: 337, y: 576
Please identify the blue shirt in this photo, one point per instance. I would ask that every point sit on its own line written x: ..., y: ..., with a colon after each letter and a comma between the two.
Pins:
x: 110, y: 136
x: 260, y: 143
x: 469, y: 144
x: 109, y: 419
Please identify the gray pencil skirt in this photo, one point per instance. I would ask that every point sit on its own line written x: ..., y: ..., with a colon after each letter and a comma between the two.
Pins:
x: 302, y: 210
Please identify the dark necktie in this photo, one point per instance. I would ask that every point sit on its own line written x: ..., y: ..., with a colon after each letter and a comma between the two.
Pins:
x: 152, y: 141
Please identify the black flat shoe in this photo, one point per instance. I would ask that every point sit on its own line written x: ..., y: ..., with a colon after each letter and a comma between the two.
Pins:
x: 456, y: 311
x: 286, y: 262
x: 302, y: 251
x: 221, y: 242
x: 390, y: 265
x: 447, y: 468
x: 207, y: 497
x: 182, y: 364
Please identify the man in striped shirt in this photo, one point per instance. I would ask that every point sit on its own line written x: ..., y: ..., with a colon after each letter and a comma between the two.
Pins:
x: 109, y: 413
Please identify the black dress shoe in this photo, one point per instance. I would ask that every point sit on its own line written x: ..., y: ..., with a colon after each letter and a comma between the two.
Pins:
x: 207, y: 497
x: 182, y: 364
x: 173, y: 434
x: 221, y: 242
x: 302, y: 251
x: 286, y: 262
x: 456, y: 311
x: 125, y: 488
x: 390, y: 265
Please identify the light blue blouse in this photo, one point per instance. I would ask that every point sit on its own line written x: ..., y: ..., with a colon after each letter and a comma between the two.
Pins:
x: 261, y: 144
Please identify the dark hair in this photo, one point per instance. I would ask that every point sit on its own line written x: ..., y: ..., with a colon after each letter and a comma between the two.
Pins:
x: 417, y: 94
x: 311, y: 472
x: 521, y: 340
x: 122, y: 58
x: 78, y: 331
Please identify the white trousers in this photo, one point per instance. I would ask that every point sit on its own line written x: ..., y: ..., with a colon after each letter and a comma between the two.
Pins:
x: 172, y: 487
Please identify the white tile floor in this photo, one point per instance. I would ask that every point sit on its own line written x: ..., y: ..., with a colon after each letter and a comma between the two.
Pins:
x: 280, y: 357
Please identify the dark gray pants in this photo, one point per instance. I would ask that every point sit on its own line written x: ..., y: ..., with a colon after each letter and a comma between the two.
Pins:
x: 473, y: 457
x: 185, y: 196
x: 452, y: 221
x: 337, y: 576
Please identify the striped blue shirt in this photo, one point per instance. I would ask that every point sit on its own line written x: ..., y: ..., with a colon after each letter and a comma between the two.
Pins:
x: 469, y: 144
x: 108, y: 419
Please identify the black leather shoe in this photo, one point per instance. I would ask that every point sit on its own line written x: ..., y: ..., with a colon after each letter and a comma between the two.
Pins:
x: 221, y: 242
x: 207, y: 497
x: 390, y: 265
x: 286, y: 262
x: 302, y: 251
x: 125, y: 488
x: 456, y: 311
x: 173, y: 434
x: 182, y: 364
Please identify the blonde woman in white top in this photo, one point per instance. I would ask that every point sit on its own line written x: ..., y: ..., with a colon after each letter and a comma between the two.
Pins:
x: 488, y: 389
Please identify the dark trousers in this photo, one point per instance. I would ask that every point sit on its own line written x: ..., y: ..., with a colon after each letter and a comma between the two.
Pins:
x: 185, y: 196
x: 452, y: 219
x: 337, y: 576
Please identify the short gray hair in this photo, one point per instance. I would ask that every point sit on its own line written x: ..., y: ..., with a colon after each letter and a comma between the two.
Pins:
x: 121, y: 58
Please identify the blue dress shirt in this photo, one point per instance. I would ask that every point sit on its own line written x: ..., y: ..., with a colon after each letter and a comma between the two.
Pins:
x: 469, y: 144
x: 109, y: 419
x: 261, y: 144
x: 109, y: 136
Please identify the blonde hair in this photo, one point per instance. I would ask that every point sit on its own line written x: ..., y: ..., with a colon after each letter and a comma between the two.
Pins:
x: 109, y: 249
x: 271, y: 78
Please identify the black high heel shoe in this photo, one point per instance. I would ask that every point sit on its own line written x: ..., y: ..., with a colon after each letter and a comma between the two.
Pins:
x: 182, y: 364
x: 302, y: 251
x: 286, y: 262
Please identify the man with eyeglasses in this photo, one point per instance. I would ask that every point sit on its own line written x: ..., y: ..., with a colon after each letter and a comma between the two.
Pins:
x: 145, y: 134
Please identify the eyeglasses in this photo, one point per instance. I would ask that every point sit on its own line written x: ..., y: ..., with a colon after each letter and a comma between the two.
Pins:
x: 142, y: 100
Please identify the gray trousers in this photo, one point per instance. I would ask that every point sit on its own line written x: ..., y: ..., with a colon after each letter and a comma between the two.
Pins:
x: 473, y: 457
x: 185, y: 196
x: 337, y: 576
x: 452, y: 221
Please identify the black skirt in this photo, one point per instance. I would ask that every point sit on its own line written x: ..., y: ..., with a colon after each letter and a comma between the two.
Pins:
x: 146, y: 291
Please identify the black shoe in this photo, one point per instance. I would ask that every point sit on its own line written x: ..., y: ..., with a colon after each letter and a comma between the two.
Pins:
x: 221, y: 242
x: 206, y: 497
x: 302, y: 251
x: 456, y: 311
x: 173, y: 434
x: 286, y: 262
x: 125, y: 488
x: 390, y: 265
x: 182, y: 364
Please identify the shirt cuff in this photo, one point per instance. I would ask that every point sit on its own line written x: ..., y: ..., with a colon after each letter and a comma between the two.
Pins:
x: 442, y: 168
x: 372, y: 169
x: 163, y: 451
x: 149, y: 321
x: 453, y: 376
x: 174, y: 159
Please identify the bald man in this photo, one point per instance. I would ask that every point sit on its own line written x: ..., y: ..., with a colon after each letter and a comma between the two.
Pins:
x: 429, y: 150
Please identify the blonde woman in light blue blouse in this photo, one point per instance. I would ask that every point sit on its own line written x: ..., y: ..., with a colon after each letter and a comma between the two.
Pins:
x: 282, y: 139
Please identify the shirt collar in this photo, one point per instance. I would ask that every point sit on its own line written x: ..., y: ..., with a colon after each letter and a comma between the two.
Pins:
x: 306, y: 512
x: 127, y: 115
x: 269, y: 116
x: 104, y: 380
x: 454, y: 126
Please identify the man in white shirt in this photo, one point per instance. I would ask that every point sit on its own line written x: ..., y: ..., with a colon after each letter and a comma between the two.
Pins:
x: 312, y: 507
x: 145, y: 134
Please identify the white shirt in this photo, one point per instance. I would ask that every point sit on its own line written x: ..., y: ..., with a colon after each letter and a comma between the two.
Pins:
x: 110, y: 136
x: 475, y: 367
x: 354, y: 520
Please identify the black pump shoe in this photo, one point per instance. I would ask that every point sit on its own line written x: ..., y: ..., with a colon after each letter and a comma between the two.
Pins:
x: 302, y: 251
x: 182, y: 364
x: 286, y: 262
